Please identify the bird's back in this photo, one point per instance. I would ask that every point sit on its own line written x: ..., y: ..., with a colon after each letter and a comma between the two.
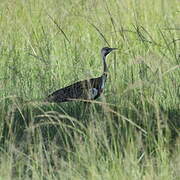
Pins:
x: 87, y: 90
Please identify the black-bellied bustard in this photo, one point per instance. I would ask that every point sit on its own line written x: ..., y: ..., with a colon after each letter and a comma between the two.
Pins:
x: 83, y: 90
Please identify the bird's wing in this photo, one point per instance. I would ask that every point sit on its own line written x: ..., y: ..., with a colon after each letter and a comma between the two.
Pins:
x: 78, y: 90
x: 87, y: 89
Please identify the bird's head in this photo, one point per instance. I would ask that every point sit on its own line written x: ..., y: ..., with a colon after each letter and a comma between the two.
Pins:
x: 106, y: 50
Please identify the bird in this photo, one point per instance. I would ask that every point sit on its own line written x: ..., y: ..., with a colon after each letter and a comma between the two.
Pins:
x: 89, y: 89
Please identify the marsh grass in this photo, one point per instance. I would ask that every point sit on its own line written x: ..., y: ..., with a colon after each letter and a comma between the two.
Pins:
x: 131, y: 132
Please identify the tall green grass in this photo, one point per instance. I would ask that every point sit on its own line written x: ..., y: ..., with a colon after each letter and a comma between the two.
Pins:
x: 131, y: 132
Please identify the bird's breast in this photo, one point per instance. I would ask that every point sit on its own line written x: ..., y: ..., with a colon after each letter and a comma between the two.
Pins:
x: 104, y: 77
x: 93, y: 92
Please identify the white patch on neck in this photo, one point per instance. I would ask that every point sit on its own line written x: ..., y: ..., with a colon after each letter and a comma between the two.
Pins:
x: 93, y: 93
x: 103, y: 81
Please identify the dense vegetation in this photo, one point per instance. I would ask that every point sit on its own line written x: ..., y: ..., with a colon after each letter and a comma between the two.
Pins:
x: 132, y: 131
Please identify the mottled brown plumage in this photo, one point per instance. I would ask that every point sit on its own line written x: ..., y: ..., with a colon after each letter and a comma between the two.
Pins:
x: 85, y: 90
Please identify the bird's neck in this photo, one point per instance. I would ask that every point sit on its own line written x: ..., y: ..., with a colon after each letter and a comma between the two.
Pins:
x: 105, y: 69
x: 105, y: 72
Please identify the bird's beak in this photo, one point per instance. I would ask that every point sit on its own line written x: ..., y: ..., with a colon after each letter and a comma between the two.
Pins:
x: 113, y: 49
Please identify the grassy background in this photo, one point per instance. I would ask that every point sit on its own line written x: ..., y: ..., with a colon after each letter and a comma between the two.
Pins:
x: 132, y: 131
